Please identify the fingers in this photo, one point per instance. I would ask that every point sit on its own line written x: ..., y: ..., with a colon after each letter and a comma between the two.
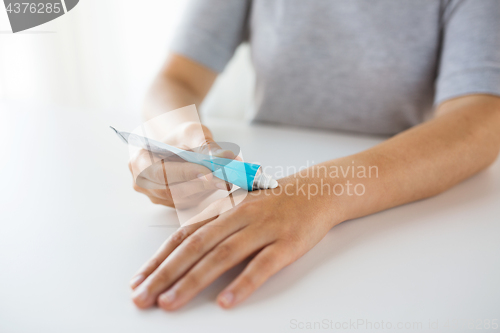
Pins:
x: 188, y: 178
x: 174, y: 172
x: 182, y: 195
x: 212, y: 148
x: 152, y: 173
x: 182, y: 258
x: 227, y: 254
x: 216, y: 208
x: 145, y: 184
x: 158, y: 197
x: 165, y: 249
x: 267, y: 262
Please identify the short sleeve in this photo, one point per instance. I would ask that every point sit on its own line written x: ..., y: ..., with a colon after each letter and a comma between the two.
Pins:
x: 470, y: 56
x: 211, y: 30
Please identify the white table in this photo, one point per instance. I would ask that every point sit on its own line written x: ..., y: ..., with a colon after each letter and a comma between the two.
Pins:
x: 73, y: 232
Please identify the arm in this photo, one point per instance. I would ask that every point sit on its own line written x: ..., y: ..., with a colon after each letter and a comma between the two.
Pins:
x: 277, y: 229
x: 461, y: 140
x: 181, y: 82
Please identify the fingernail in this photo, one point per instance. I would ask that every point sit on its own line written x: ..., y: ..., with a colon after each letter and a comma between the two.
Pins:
x: 201, y: 176
x: 221, y: 186
x: 140, y: 294
x: 218, y: 151
x: 136, y: 280
x: 226, y: 299
x: 168, y: 297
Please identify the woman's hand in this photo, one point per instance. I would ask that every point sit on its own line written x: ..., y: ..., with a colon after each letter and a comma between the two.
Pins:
x: 192, y: 182
x: 274, y: 226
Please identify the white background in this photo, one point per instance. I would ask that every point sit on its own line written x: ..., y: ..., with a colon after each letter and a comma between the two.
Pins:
x: 103, y: 55
x: 72, y: 230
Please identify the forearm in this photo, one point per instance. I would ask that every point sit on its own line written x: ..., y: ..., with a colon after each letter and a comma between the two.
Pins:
x: 180, y: 83
x: 167, y: 94
x: 425, y: 160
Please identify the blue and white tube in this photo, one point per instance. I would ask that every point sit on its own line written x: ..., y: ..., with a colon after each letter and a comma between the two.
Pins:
x: 247, y: 176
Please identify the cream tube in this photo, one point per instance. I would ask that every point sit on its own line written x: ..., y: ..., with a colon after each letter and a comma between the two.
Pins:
x: 248, y: 176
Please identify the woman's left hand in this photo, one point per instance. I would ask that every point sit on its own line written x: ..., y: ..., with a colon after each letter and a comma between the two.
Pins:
x: 276, y: 226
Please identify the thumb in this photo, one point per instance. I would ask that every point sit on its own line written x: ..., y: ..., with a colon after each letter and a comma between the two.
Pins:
x: 210, y: 147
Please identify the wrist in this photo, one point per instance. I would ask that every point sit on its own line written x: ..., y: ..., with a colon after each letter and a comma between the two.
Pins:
x: 314, y: 194
x: 351, y: 183
x: 337, y: 190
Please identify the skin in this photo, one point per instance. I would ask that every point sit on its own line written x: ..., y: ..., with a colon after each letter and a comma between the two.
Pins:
x: 275, y: 228
x: 193, y: 182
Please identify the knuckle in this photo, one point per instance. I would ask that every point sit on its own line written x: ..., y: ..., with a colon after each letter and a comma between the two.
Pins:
x: 191, y: 281
x: 153, y: 263
x: 223, y: 252
x: 266, y: 263
x: 162, y: 278
x: 194, y: 244
x: 248, y: 282
x: 178, y: 236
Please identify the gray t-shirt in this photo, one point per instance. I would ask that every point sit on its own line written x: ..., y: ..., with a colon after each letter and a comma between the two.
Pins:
x: 373, y: 66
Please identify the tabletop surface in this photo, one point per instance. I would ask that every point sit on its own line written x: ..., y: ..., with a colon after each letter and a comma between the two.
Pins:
x: 73, y: 232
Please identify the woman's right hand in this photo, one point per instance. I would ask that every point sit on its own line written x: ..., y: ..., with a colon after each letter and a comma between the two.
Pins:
x: 174, y: 182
